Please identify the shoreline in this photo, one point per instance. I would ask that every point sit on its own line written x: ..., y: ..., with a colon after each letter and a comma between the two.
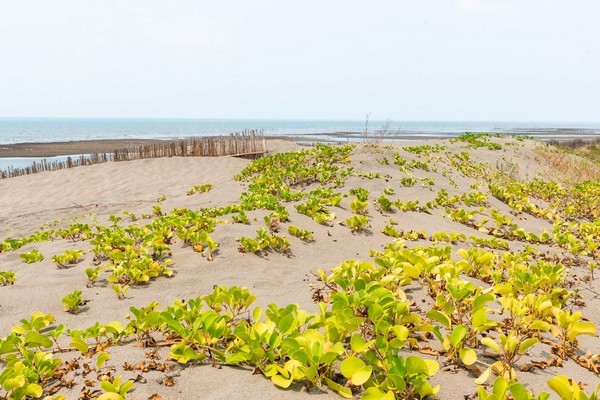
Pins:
x: 54, y: 149
x: 78, y: 147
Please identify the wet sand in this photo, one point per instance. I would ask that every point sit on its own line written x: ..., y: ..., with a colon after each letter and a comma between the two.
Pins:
x: 69, y: 148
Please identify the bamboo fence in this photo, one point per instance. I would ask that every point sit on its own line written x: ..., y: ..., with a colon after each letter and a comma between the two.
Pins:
x: 247, y: 144
x: 574, y: 143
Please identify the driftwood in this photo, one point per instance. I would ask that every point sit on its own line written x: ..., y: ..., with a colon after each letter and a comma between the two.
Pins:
x: 247, y: 144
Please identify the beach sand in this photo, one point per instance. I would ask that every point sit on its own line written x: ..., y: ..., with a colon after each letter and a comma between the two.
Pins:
x: 70, y: 196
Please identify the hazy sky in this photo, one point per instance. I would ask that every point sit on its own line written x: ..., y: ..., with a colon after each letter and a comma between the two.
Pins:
x: 405, y: 59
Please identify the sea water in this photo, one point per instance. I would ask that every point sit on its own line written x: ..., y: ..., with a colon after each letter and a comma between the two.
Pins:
x: 36, y: 130
x: 25, y: 130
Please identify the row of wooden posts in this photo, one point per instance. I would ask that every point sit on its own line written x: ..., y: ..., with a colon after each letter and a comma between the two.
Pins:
x: 574, y: 143
x: 248, y: 144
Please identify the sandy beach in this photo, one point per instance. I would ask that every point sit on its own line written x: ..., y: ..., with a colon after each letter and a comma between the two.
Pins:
x: 91, y: 194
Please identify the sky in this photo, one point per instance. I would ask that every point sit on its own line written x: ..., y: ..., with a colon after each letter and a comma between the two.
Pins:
x: 488, y: 60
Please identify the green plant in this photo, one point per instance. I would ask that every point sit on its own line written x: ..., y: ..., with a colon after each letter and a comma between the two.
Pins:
x: 315, y: 209
x: 68, y: 258
x: 568, y: 389
x: 425, y: 149
x: 233, y: 301
x: 508, y: 168
x: 455, y: 344
x: 359, y: 207
x: 389, y: 230
x: 357, y: 223
x: 592, y: 265
x: 120, y: 290
x: 503, y: 389
x: 240, y: 218
x: 157, y: 211
x: 361, y: 194
x: 264, y: 241
x: 510, y: 348
x: 384, y: 203
x: 202, y: 242
x: 131, y: 216
x: 568, y: 327
x: 73, y: 301
x: 32, y: 257
x: 92, y: 274
x: 428, y: 182
x: 75, y: 232
x: 408, y: 181
x: 311, y: 360
x: 7, y: 278
x: 200, y: 189
x: 302, y: 234
x: 29, y: 365
x: 114, y: 389
x: 478, y: 140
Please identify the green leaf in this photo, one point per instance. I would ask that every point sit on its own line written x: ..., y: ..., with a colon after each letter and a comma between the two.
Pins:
x: 34, y: 390
x: 582, y: 328
x: 395, y: 382
x: 362, y: 375
x: 343, y: 391
x: 481, y: 300
x: 350, y: 366
x: 125, y: 387
x: 468, y: 356
x: 526, y: 344
x: 562, y: 386
x: 357, y: 343
x: 479, y: 318
x: 416, y: 365
x: 539, y: 325
x: 37, y: 339
x: 457, y: 335
x: 438, y: 334
x: 489, y: 342
x: 256, y: 314
x: 486, y: 258
x: 432, y: 366
x: 286, y: 324
x: 518, y: 391
x: 102, y: 358
x: 115, y: 326
x: 500, y: 385
x: 111, y: 396
x: 107, y: 386
x: 233, y: 359
x: 281, y: 381
x: 484, y: 376
x: 440, y: 317
x: 374, y: 393
x: 80, y: 345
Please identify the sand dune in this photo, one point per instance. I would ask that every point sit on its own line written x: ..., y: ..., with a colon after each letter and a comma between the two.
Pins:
x: 85, y: 193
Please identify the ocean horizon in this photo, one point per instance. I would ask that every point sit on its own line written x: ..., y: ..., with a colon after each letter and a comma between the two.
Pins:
x: 15, y: 130
x: 44, y: 130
